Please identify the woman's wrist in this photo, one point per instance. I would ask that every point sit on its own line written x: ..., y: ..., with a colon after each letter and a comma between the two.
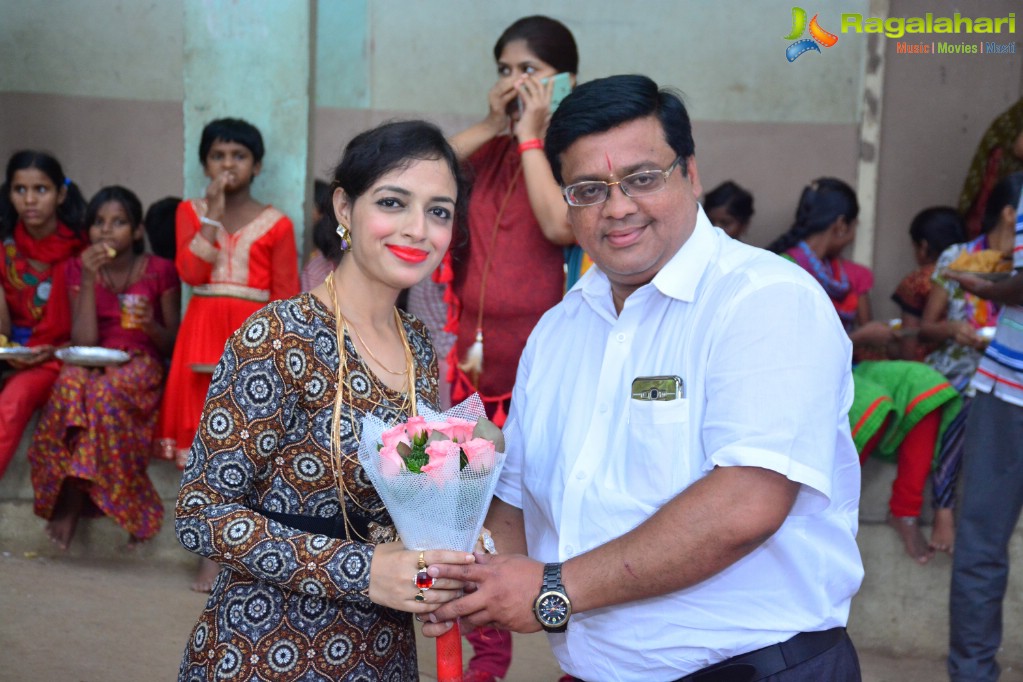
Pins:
x: 530, y: 143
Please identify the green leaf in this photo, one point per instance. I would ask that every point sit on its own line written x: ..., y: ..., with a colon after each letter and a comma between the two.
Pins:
x: 489, y: 430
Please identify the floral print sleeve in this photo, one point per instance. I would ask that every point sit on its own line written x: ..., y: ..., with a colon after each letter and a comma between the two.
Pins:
x: 258, y: 448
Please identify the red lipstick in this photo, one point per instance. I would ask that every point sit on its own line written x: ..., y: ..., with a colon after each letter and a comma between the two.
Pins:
x: 408, y: 253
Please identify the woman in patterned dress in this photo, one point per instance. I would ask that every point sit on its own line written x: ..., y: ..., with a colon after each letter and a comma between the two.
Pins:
x: 314, y: 584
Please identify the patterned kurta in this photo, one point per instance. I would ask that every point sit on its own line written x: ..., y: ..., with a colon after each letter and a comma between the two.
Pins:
x: 289, y: 604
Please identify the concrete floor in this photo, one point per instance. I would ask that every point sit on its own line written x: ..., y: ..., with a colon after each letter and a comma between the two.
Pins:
x: 127, y: 619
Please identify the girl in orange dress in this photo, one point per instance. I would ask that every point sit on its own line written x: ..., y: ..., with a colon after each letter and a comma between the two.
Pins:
x: 237, y: 254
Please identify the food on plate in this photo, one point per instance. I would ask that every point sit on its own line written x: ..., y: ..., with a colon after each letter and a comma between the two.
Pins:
x: 988, y: 260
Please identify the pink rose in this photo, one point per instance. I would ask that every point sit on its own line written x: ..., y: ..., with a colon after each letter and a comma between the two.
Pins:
x: 394, y: 435
x: 454, y: 428
x: 415, y: 426
x: 444, y: 461
x: 480, y: 453
x: 391, y: 462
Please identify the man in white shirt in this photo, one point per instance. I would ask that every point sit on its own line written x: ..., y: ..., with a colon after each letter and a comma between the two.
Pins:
x: 680, y: 468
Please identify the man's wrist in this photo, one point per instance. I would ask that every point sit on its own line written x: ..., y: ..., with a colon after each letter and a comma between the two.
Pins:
x: 552, y: 607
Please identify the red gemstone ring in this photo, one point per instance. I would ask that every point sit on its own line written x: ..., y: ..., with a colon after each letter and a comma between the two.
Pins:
x: 422, y: 579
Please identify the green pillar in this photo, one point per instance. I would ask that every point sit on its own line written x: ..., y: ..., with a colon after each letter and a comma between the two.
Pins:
x: 253, y: 60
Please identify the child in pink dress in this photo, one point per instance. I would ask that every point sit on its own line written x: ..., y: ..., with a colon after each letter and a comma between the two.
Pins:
x: 91, y: 450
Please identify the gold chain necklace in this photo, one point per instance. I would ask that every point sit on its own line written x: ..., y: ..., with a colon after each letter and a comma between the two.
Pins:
x: 369, y: 351
x: 408, y: 406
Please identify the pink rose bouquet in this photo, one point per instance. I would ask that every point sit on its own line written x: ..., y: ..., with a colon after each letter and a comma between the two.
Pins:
x: 419, y: 446
x: 436, y: 474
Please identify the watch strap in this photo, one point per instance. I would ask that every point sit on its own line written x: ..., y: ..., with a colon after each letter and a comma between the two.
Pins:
x: 552, y: 578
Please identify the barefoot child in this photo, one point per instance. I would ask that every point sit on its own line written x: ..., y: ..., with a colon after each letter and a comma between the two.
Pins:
x: 900, y: 408
x: 952, y: 318
x: 40, y: 226
x: 238, y: 254
x: 90, y: 452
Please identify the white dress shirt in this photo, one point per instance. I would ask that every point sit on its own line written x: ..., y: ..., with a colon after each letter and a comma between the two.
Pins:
x: 766, y: 368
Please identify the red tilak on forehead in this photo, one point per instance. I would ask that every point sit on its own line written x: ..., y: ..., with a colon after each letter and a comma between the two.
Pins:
x: 610, y: 169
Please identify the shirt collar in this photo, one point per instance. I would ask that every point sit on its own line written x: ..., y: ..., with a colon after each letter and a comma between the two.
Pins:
x: 677, y: 279
x: 681, y: 275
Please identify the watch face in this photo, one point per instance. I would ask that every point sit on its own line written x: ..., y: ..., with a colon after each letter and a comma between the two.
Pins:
x: 552, y: 609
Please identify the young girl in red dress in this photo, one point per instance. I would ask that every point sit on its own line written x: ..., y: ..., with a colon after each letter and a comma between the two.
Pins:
x: 90, y: 452
x: 237, y: 254
x: 41, y: 213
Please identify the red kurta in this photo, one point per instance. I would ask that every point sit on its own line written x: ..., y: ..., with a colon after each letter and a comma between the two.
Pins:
x: 232, y: 279
x: 526, y: 274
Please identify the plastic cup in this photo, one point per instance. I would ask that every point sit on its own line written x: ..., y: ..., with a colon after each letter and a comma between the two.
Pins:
x: 133, y: 308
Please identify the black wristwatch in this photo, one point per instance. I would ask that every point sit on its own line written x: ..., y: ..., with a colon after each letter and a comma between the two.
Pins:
x: 553, y: 607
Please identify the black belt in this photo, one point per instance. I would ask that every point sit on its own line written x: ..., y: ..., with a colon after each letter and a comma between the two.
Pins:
x: 770, y: 660
x: 331, y: 526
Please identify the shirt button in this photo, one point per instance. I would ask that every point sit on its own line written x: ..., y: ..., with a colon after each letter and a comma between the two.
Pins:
x: 621, y: 338
x: 569, y: 550
x: 603, y: 408
x: 580, y: 476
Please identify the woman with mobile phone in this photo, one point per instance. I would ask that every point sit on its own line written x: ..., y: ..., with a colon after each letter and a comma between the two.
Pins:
x: 518, y: 226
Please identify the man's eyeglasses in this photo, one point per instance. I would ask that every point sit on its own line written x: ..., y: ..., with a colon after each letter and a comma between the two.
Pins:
x: 593, y: 192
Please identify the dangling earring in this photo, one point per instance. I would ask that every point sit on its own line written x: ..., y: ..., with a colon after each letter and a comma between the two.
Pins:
x: 345, y: 235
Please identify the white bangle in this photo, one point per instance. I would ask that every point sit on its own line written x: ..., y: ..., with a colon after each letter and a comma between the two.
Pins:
x: 210, y: 221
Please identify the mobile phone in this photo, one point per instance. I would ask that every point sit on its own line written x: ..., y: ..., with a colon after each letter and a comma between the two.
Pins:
x: 658, y: 388
x: 562, y: 88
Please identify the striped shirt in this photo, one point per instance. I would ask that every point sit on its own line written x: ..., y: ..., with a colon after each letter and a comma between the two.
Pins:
x: 1001, y: 369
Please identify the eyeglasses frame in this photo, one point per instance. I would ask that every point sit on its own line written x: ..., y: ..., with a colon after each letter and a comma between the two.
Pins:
x: 664, y: 174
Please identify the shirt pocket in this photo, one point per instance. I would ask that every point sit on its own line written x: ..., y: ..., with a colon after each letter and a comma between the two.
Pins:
x: 657, y: 449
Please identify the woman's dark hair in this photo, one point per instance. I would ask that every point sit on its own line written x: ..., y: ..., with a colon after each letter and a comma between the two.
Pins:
x: 71, y: 211
x: 605, y: 103
x: 940, y: 227
x: 160, y: 226
x: 127, y: 199
x: 822, y: 202
x: 1005, y: 193
x: 547, y: 38
x: 736, y: 201
x: 396, y: 145
x: 325, y: 237
x: 231, y: 130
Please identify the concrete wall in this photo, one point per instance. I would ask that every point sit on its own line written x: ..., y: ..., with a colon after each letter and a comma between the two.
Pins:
x: 100, y: 83
x: 374, y: 61
x: 936, y: 108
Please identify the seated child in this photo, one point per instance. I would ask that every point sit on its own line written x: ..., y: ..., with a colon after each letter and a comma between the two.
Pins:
x: 91, y: 450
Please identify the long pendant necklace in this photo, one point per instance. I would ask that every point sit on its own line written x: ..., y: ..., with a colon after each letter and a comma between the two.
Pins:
x: 408, y: 405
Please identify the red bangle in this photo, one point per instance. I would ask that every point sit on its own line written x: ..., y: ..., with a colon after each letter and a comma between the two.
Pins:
x: 535, y: 143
